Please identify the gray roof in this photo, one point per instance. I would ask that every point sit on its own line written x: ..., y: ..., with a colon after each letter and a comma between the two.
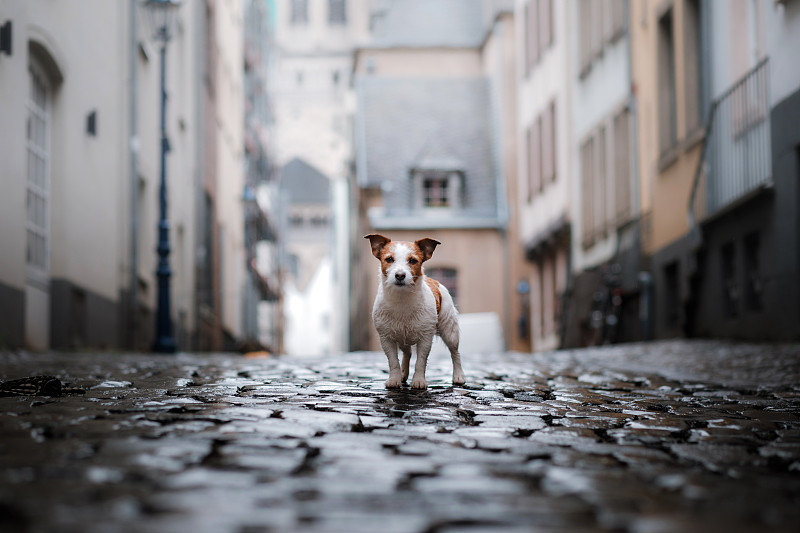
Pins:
x: 430, y: 123
x: 304, y: 183
x: 429, y: 23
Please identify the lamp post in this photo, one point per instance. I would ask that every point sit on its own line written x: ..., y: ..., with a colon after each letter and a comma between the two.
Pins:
x: 162, y: 13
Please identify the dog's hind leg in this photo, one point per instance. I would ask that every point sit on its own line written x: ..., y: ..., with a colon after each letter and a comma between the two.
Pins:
x: 406, y: 360
x: 448, y: 331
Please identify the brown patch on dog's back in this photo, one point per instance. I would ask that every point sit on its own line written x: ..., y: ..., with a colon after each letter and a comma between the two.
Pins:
x: 437, y: 294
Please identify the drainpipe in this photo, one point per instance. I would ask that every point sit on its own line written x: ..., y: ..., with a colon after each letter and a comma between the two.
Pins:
x: 133, y: 289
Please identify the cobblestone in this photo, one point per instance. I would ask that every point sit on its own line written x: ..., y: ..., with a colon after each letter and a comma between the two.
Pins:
x: 643, y: 438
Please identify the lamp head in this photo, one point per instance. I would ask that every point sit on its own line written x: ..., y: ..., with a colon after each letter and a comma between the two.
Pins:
x: 161, y: 14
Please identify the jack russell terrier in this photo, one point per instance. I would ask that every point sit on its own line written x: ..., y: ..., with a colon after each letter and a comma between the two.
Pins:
x: 410, y: 308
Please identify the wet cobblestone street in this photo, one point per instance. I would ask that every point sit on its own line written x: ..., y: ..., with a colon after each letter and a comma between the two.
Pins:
x: 657, y: 437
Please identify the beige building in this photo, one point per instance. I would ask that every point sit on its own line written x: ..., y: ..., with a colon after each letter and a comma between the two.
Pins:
x: 670, y: 123
x: 717, y: 146
x: 79, y: 170
x: 434, y: 96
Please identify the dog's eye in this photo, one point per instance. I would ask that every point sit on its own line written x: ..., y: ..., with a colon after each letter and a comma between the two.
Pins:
x: 412, y: 261
x: 390, y: 259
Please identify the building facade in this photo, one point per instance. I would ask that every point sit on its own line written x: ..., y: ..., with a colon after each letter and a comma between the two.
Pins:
x: 310, y: 87
x: 605, y: 247
x: 543, y: 134
x: 719, y: 165
x: 80, y: 173
x: 263, y: 325
x: 430, y: 154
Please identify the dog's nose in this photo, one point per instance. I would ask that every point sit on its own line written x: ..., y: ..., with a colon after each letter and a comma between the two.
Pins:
x: 400, y: 276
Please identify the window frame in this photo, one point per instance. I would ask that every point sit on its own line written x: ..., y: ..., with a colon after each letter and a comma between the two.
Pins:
x: 298, y: 13
x: 38, y: 175
x: 338, y: 8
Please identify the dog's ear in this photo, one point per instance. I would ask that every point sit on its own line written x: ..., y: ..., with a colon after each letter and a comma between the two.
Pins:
x: 377, y: 242
x: 427, y: 246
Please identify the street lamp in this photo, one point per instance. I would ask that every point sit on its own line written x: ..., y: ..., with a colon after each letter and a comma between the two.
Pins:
x: 162, y: 13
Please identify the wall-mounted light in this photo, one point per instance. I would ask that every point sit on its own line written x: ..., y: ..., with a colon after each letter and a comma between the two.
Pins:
x: 91, y: 123
x: 5, y: 37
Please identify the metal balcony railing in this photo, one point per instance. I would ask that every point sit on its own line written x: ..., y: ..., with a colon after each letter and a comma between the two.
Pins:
x: 736, y: 159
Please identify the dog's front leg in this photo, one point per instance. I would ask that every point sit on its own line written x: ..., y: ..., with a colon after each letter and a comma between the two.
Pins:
x: 395, y: 375
x: 406, y: 360
x: 423, y: 350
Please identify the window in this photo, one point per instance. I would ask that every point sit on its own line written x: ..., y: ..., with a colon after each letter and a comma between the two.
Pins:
x: 549, y: 292
x: 672, y: 298
x: 549, y: 144
x: 337, y: 12
x: 535, y: 158
x: 587, y: 186
x: 601, y: 23
x: 545, y: 24
x: 753, y: 284
x: 447, y: 277
x: 693, y: 73
x: 543, y: 303
x: 205, y: 267
x: 605, y: 159
x: 38, y: 183
x: 622, y: 165
x: 596, y: 35
x: 539, y: 30
x: 730, y: 288
x: 618, y: 15
x: 319, y: 220
x: 600, y: 187
x: 437, y: 189
x: 531, y: 34
x: 435, y: 192
x: 556, y: 309
x: 667, y: 106
x: 585, y: 21
x: 299, y: 12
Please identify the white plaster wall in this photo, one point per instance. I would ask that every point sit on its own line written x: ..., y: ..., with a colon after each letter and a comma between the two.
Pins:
x: 782, y: 23
x: 751, y: 27
x: 230, y: 170
x: 84, y: 171
x: 598, y: 96
x: 549, y: 80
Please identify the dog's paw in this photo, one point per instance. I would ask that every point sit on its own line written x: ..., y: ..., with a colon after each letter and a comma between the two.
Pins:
x: 394, y: 383
x: 458, y: 378
x: 419, y: 383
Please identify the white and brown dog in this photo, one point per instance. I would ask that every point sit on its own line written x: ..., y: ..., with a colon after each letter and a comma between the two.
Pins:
x: 410, y: 308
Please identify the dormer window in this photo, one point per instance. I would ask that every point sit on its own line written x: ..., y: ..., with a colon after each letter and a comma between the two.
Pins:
x: 437, y: 189
x: 435, y: 192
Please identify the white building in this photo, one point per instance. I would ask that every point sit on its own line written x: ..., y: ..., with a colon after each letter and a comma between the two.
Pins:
x: 544, y: 163
x: 600, y: 115
x: 605, y: 238
x: 80, y: 170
